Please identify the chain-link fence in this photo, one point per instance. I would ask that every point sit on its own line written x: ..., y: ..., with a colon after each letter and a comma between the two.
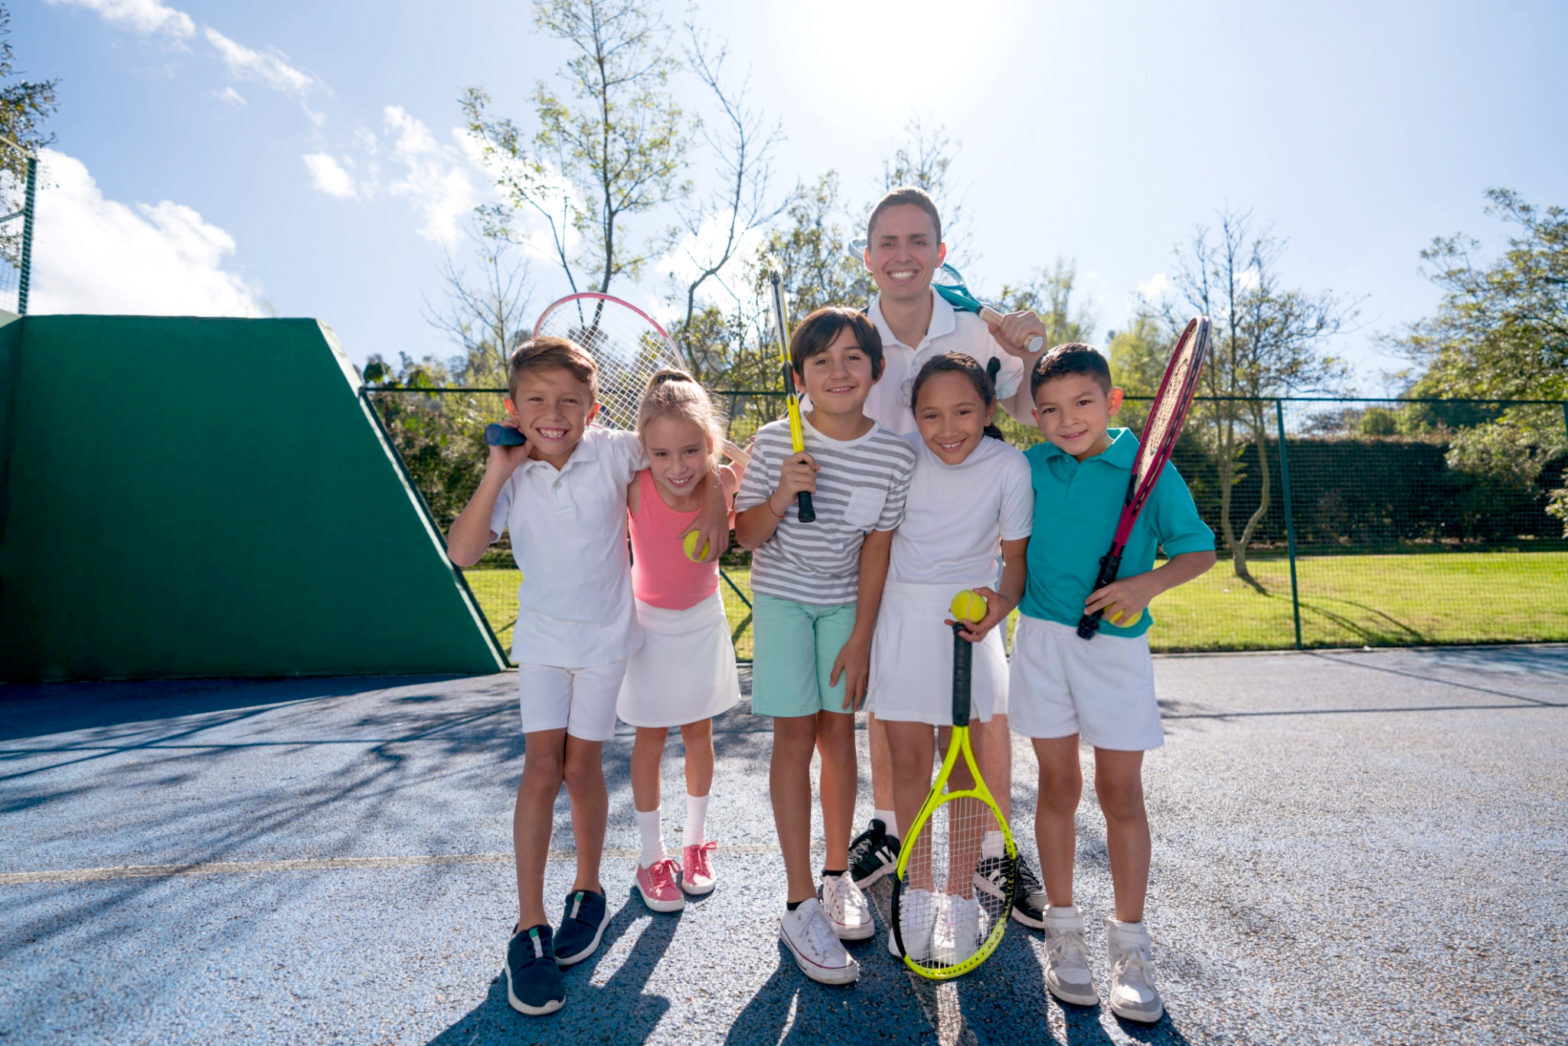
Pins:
x: 18, y: 195
x: 1360, y: 523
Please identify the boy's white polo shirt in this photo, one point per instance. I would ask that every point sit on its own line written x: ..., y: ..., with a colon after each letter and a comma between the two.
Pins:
x: 949, y: 331
x: 568, y: 527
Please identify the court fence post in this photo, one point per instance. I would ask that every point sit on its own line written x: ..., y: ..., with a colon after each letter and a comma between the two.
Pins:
x: 24, y: 276
x: 1290, y: 518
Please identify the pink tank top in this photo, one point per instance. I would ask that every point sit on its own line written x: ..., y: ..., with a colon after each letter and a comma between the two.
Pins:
x: 662, y: 576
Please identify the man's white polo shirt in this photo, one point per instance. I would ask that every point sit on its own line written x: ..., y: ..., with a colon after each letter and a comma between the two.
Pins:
x: 568, y: 532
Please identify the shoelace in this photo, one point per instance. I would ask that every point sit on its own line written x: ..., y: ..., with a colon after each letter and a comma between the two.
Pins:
x: 1134, y: 967
x: 822, y: 937
x: 699, y: 858
x: 662, y: 873
x: 1068, y: 949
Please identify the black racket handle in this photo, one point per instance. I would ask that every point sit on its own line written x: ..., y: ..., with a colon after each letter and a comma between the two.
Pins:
x: 803, y: 503
x: 1089, y: 624
x: 963, y: 662
x: 498, y: 435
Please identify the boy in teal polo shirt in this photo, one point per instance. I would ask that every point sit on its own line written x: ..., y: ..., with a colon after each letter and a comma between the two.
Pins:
x: 1102, y: 690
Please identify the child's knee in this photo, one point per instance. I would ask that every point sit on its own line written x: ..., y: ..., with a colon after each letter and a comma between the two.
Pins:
x: 1120, y: 800
x: 583, y: 770
x: 1060, y: 788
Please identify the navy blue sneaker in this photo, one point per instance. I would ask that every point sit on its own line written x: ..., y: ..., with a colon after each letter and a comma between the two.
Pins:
x: 581, y: 927
x: 533, y: 981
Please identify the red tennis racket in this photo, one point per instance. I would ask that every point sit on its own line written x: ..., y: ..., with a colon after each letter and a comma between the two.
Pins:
x: 1154, y: 450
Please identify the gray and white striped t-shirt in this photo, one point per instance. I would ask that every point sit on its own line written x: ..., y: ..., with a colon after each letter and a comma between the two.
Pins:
x: 861, y: 486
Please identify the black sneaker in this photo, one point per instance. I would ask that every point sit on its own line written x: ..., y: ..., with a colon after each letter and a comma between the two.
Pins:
x: 873, y: 854
x: 533, y: 981
x: 581, y: 927
x: 1029, y: 901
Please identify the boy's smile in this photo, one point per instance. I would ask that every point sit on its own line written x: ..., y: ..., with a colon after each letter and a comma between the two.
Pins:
x: 838, y: 379
x: 1073, y: 412
x: 903, y: 252
x: 552, y: 409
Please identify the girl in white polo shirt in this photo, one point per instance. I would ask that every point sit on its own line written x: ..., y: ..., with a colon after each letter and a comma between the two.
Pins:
x: 969, y: 499
x: 684, y: 673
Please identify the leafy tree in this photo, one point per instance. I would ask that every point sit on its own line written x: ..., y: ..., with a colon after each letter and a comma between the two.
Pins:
x: 608, y: 149
x: 1501, y: 331
x: 24, y: 107
x: 1265, y: 342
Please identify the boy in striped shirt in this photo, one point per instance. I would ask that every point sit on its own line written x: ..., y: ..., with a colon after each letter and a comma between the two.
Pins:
x: 817, y: 588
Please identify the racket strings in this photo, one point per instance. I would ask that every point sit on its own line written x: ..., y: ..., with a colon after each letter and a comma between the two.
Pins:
x: 956, y: 885
x: 627, y: 348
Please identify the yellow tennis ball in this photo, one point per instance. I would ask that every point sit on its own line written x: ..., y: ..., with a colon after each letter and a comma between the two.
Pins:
x: 968, y: 605
x: 1116, y: 618
x: 689, y: 543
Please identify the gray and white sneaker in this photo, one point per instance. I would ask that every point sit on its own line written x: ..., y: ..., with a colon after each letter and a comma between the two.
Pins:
x: 957, y: 933
x: 914, y: 925
x: 1133, y: 995
x: 846, y: 907
x: 1067, y: 958
x: 816, y: 948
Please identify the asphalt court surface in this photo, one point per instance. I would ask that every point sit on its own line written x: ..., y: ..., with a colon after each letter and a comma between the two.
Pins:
x: 1349, y: 847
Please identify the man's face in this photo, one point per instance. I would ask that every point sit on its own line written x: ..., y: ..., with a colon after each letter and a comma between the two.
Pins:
x: 903, y: 252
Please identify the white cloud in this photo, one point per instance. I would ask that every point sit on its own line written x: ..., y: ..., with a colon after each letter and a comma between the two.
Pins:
x: 139, y: 16
x: 690, y: 255
x: 436, y: 177
x: 270, y: 68
x: 232, y: 97
x: 1155, y: 286
x: 97, y: 255
x: 329, y: 176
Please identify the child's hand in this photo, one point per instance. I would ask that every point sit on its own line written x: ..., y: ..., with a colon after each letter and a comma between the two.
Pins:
x: 1016, y: 330
x: 854, y: 663
x: 1125, y: 597
x: 740, y: 457
x: 798, y: 473
x: 997, y: 607
x: 507, y: 458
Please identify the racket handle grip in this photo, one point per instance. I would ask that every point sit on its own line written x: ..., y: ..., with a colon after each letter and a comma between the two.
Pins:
x: 990, y: 315
x: 1110, y: 566
x: 498, y: 435
x: 1089, y: 624
x: 807, y: 513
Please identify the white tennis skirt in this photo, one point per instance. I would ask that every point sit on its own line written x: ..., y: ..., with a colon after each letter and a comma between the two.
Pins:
x: 685, y: 669
x: 912, y: 659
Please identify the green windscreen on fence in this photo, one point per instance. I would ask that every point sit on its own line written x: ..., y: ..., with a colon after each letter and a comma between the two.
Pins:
x: 210, y: 497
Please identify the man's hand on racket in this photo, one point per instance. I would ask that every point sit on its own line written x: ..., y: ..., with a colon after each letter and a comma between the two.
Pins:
x: 797, y: 473
x: 1015, y: 332
x: 997, y: 607
x: 854, y: 663
x: 1126, y: 596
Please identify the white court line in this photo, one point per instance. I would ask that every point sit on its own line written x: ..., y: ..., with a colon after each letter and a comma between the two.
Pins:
x: 315, y: 864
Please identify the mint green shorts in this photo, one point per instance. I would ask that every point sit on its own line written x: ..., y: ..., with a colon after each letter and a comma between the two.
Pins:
x: 794, y: 649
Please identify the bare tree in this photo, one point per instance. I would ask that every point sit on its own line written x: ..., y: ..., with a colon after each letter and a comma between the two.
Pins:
x: 1266, y: 341
x: 484, y: 316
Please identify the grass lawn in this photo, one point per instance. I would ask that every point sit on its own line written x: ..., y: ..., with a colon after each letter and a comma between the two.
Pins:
x: 1385, y: 600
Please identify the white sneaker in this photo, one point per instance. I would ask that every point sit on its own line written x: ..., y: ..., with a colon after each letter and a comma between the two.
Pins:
x: 846, y: 907
x: 1133, y: 995
x: 1067, y: 958
x: 816, y: 948
x: 915, y: 911
x: 957, y: 933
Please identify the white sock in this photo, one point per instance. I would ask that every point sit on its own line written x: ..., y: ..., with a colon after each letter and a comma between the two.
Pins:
x: 889, y: 820
x: 652, y: 843
x: 991, y: 844
x: 696, y: 816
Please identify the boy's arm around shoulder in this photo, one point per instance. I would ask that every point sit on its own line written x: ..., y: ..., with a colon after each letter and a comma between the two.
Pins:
x: 470, y: 533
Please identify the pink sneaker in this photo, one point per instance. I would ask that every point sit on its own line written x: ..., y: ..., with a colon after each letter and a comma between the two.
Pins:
x: 656, y: 883
x: 698, y: 879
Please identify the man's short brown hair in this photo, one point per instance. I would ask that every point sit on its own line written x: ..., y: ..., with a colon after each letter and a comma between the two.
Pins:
x: 905, y: 194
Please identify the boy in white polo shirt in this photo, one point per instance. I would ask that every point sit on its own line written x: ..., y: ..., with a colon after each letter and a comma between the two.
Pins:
x: 1101, y: 690
x: 903, y: 250
x: 562, y: 496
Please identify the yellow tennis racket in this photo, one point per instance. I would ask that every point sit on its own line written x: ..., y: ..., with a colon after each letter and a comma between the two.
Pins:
x: 953, y: 884
x: 804, y: 510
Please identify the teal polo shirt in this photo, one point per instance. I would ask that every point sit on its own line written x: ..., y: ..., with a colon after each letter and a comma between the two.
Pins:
x: 1076, y: 506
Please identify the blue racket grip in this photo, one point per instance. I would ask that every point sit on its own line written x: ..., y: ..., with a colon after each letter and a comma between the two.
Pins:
x: 498, y: 435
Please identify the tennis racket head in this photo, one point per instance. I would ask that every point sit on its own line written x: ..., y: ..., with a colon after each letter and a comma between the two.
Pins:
x: 1172, y: 403
x: 953, y: 884
x: 627, y: 345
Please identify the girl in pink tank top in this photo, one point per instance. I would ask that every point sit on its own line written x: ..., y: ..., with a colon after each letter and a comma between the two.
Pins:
x: 684, y: 673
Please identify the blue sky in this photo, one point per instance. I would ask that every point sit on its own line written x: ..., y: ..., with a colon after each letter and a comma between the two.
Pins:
x: 300, y: 159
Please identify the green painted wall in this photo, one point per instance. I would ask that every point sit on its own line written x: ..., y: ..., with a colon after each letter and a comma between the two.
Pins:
x: 210, y: 497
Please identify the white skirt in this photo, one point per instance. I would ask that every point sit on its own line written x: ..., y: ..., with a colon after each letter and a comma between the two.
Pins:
x: 685, y: 669
x: 912, y: 659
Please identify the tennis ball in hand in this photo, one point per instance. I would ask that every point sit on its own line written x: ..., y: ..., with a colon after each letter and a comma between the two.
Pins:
x: 689, y: 543
x: 1118, y: 618
x: 968, y: 605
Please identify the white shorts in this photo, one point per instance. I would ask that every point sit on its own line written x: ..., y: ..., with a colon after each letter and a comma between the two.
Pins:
x: 684, y: 671
x: 912, y: 660
x: 580, y: 700
x: 1100, y: 688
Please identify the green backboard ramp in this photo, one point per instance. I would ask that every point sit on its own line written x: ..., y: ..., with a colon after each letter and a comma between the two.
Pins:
x: 211, y: 497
